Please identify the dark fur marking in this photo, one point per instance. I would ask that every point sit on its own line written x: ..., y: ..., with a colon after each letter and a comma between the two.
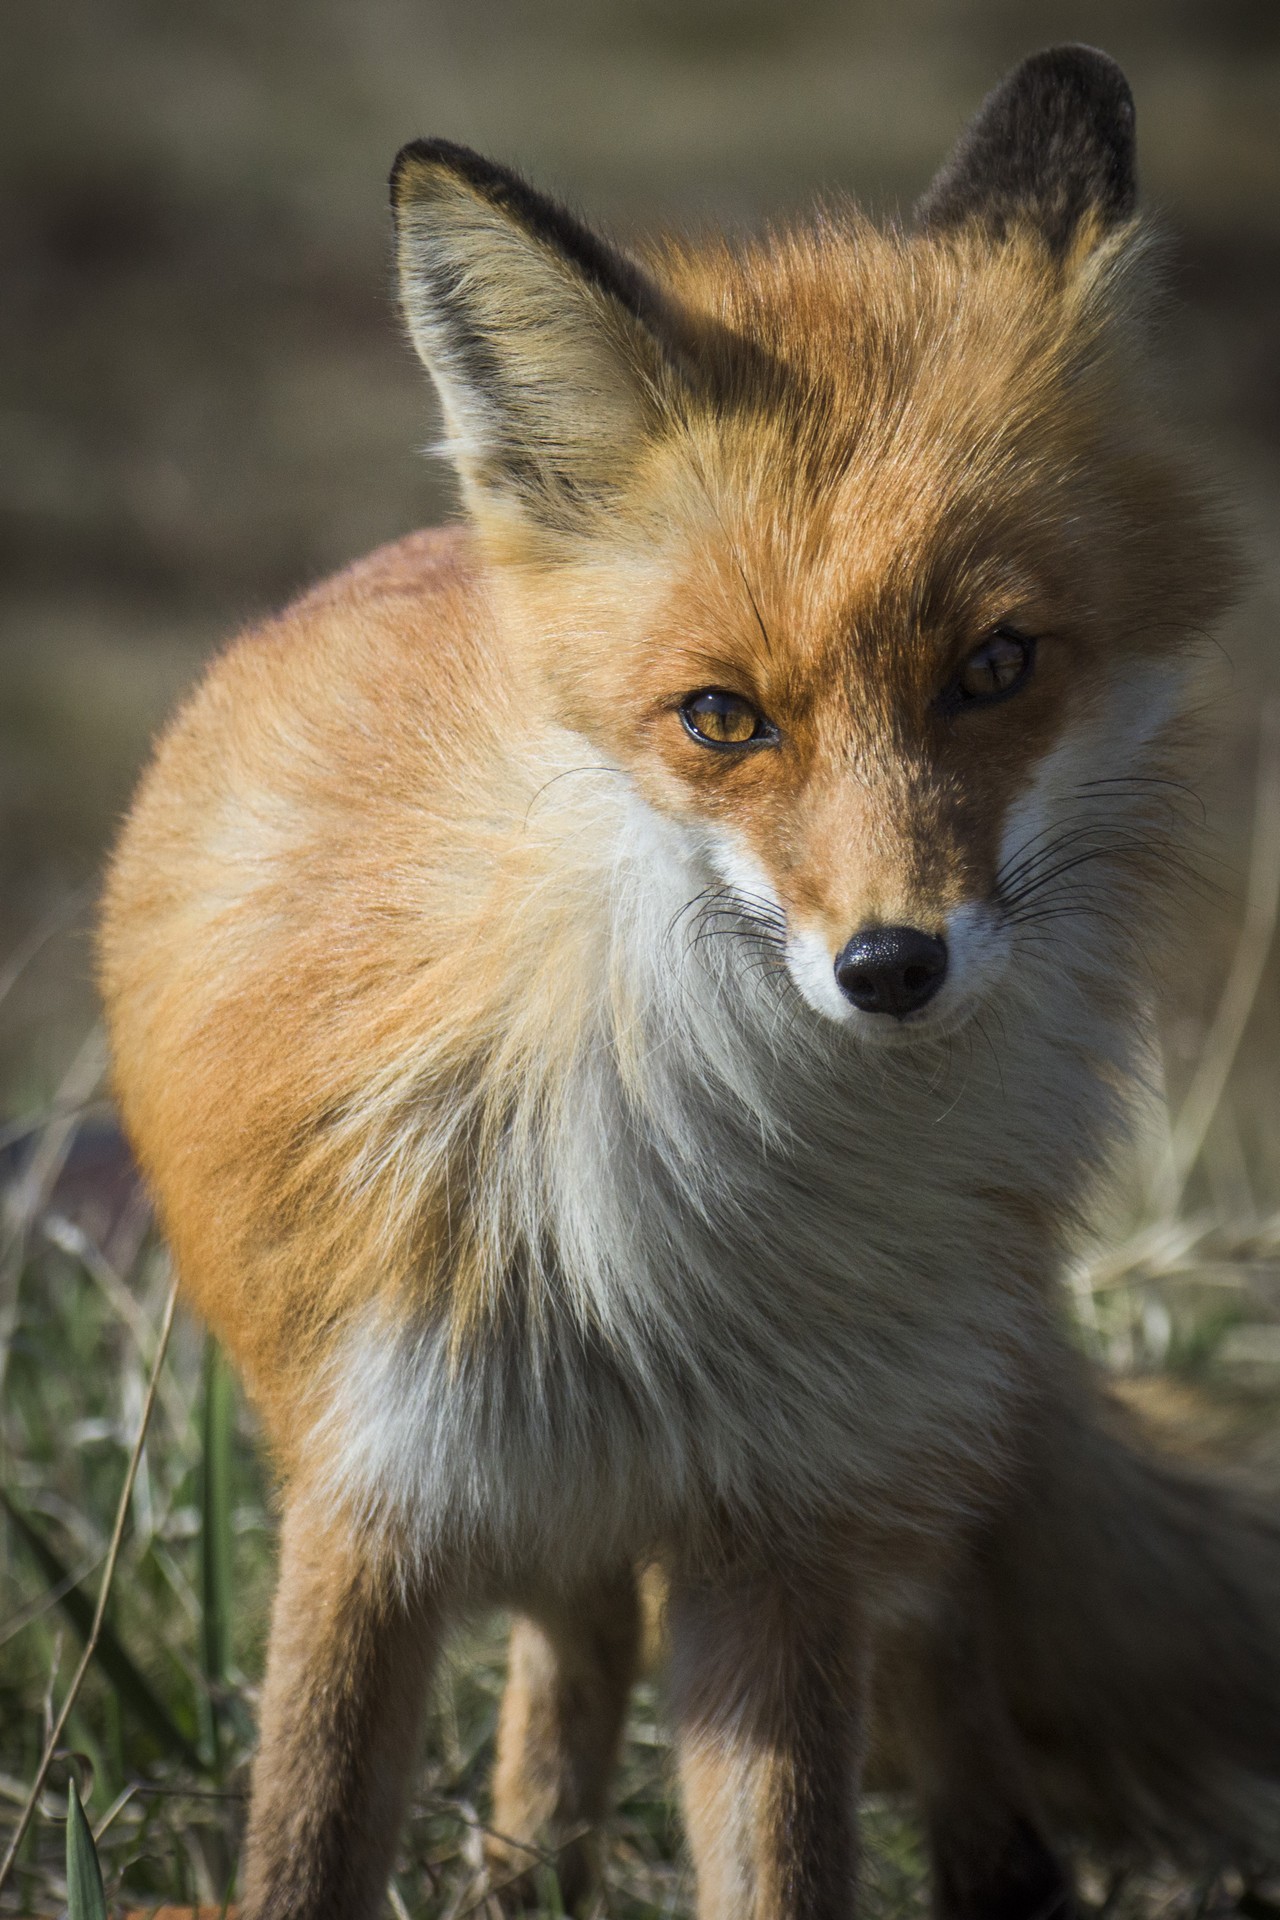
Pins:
x: 1053, y: 142
x: 602, y: 265
x: 468, y: 343
x: 1020, y: 1880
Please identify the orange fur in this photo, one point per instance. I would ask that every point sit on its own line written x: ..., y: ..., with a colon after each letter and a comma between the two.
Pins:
x: 351, y: 1652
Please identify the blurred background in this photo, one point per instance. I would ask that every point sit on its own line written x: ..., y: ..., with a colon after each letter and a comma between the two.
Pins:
x: 206, y: 402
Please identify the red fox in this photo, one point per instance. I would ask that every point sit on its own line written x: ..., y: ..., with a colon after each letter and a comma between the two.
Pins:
x: 626, y: 1007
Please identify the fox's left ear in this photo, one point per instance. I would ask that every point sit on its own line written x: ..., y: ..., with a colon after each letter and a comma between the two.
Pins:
x: 1051, y: 149
x: 544, y: 341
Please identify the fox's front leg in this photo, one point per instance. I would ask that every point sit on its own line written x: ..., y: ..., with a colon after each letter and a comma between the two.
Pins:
x: 769, y: 1688
x: 352, y: 1646
x: 572, y: 1661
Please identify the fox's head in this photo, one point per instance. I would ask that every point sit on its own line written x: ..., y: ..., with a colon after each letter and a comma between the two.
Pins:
x: 861, y: 553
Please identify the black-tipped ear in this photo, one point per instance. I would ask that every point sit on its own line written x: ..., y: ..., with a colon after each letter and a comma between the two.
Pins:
x: 1052, y: 148
x: 543, y: 339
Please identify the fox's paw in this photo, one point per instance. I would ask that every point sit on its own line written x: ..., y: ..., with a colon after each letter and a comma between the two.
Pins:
x: 1020, y: 1879
x: 525, y: 1879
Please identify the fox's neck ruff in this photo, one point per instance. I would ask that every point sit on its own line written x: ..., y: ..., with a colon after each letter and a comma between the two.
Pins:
x: 721, y: 1254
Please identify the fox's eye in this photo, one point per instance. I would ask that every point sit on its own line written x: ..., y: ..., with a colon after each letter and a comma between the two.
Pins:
x: 719, y: 719
x: 999, y: 667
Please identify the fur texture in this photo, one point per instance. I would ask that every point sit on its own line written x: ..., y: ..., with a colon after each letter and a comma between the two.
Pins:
x: 477, y: 1028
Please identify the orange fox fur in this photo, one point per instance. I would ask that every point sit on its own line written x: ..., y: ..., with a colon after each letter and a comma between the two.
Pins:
x: 535, y: 1115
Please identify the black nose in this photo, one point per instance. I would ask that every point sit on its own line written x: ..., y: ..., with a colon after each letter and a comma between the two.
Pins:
x: 891, y: 969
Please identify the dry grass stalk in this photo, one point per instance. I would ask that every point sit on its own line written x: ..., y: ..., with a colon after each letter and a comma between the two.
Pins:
x: 104, y: 1594
x: 1262, y: 907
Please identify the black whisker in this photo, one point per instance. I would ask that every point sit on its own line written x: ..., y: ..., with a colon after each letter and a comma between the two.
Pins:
x: 567, y: 774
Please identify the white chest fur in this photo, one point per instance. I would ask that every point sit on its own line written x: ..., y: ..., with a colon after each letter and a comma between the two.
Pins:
x: 739, y: 1265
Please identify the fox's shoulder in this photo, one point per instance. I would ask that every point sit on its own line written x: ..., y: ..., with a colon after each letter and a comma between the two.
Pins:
x: 419, y: 603
x: 393, y: 660
x: 302, y: 842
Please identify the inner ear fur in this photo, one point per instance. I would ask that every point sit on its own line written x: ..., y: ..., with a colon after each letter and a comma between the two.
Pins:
x: 545, y: 342
x: 1051, y: 149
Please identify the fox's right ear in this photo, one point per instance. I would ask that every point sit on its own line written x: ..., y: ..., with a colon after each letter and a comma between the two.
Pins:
x: 543, y: 340
x: 1050, y: 150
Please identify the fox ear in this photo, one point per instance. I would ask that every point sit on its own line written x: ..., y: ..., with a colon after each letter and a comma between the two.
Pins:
x: 1052, y: 148
x: 542, y: 339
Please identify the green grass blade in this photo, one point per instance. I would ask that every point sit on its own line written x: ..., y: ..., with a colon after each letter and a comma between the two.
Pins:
x: 85, y: 1897
x: 217, y: 1419
x: 131, y: 1684
x: 547, y: 1881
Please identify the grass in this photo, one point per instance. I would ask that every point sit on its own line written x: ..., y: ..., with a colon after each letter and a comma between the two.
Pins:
x: 137, y: 1535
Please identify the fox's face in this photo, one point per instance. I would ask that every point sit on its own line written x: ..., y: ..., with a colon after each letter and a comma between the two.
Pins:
x: 859, y: 752
x: 858, y: 553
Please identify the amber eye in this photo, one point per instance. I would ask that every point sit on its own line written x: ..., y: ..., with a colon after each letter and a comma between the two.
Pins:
x: 719, y: 719
x: 999, y: 667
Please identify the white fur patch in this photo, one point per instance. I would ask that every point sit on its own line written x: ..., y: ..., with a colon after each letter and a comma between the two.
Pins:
x: 813, y: 968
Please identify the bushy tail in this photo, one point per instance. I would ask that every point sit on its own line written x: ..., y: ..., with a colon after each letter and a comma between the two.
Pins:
x: 1136, y: 1623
